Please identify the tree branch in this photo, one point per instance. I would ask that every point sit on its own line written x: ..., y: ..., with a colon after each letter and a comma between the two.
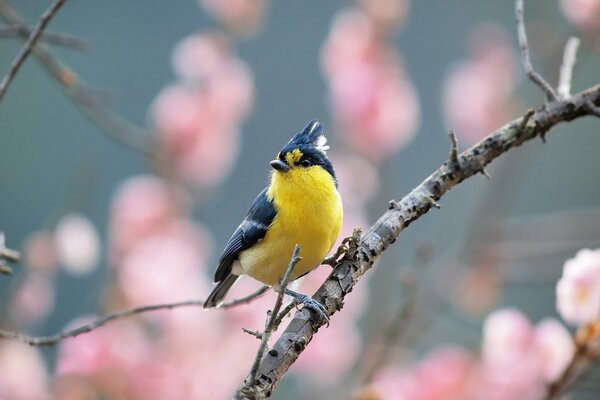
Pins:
x: 26, y: 50
x: 53, y: 38
x: 271, y: 323
x: 89, y: 104
x: 400, y: 215
x: 531, y: 73
x: 54, y: 339
x: 566, y: 68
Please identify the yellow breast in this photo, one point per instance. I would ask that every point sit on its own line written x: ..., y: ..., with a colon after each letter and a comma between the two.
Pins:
x: 309, y: 213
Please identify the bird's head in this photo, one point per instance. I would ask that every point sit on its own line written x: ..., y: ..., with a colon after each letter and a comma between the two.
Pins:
x: 304, y: 153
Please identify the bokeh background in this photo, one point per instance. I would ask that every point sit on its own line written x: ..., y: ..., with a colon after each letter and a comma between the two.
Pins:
x: 387, y: 85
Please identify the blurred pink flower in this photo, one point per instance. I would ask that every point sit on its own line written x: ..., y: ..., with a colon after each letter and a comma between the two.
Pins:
x: 201, y: 146
x: 554, y: 347
x: 40, y: 253
x: 24, y: 375
x: 142, y: 206
x: 109, y: 352
x: 198, y: 119
x: 578, y: 290
x: 386, y: 14
x: 242, y: 17
x: 507, y: 336
x: 220, y: 78
x: 585, y: 14
x: 445, y: 374
x: 374, y: 104
x: 479, y: 92
x: 167, y: 266
x: 77, y: 244
x: 33, y: 299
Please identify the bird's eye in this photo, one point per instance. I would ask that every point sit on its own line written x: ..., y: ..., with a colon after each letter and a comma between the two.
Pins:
x: 305, y: 163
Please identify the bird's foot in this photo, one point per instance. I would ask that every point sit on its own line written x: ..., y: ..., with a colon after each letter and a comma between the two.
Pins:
x: 310, y: 303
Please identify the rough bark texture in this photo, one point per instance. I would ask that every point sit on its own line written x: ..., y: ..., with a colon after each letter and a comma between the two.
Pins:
x: 400, y: 214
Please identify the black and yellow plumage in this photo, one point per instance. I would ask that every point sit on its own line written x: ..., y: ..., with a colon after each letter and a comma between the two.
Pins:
x: 301, y: 206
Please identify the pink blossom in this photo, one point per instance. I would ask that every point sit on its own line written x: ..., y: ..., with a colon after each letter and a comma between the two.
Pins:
x: 386, y: 14
x: 553, y: 346
x: 77, y: 244
x: 105, y: 353
x: 374, y: 104
x: 33, y: 299
x: 578, y: 290
x: 24, y: 375
x: 167, y: 266
x: 446, y: 373
x: 507, y: 337
x: 242, y: 17
x: 142, y: 205
x: 200, y: 144
x: 40, y: 253
x: 585, y: 14
x: 478, y: 93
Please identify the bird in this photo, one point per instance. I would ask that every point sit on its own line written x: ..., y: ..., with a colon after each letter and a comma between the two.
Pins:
x: 301, y: 205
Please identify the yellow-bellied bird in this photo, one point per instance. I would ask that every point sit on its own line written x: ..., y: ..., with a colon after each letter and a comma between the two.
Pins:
x: 301, y: 205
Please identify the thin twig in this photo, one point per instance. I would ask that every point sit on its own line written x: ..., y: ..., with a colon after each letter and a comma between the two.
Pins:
x: 7, y: 254
x: 111, y: 124
x: 531, y: 73
x: 270, y: 325
x: 592, y: 108
x: 453, y: 147
x: 29, y: 44
x: 566, y: 68
x: 54, y: 339
x: 53, y: 38
x: 586, y: 346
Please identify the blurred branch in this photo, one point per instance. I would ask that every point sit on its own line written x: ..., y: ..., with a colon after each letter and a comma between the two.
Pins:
x: 399, y: 216
x: 26, y: 50
x: 566, y: 68
x: 7, y: 254
x: 54, y: 339
x: 531, y: 73
x: 53, y: 38
x: 247, y: 389
x: 88, y: 103
x: 586, y: 350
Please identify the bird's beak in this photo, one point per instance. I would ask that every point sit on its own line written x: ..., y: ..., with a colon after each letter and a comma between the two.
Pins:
x: 280, y: 166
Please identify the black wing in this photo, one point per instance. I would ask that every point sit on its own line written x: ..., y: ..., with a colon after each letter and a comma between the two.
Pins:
x: 252, y: 229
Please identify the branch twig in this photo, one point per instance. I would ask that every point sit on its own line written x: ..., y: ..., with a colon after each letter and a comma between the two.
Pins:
x: 566, y: 68
x: 89, y: 104
x: 28, y: 47
x: 53, y: 38
x: 453, y: 147
x: 531, y: 73
x: 396, y: 219
x: 54, y: 339
x: 7, y: 254
x: 246, y: 388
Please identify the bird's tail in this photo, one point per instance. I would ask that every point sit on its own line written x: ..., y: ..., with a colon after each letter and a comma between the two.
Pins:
x: 216, y: 296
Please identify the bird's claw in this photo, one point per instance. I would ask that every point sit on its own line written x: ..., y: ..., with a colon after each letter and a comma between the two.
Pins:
x: 310, y: 303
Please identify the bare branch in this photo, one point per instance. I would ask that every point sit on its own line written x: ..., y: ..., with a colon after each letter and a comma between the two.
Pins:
x: 53, y: 38
x: 26, y: 50
x: 397, y: 218
x: 7, y: 254
x: 453, y: 147
x: 592, y: 108
x: 566, y: 68
x: 248, y: 387
x: 88, y: 103
x: 531, y: 73
x: 586, y: 349
x: 54, y: 339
